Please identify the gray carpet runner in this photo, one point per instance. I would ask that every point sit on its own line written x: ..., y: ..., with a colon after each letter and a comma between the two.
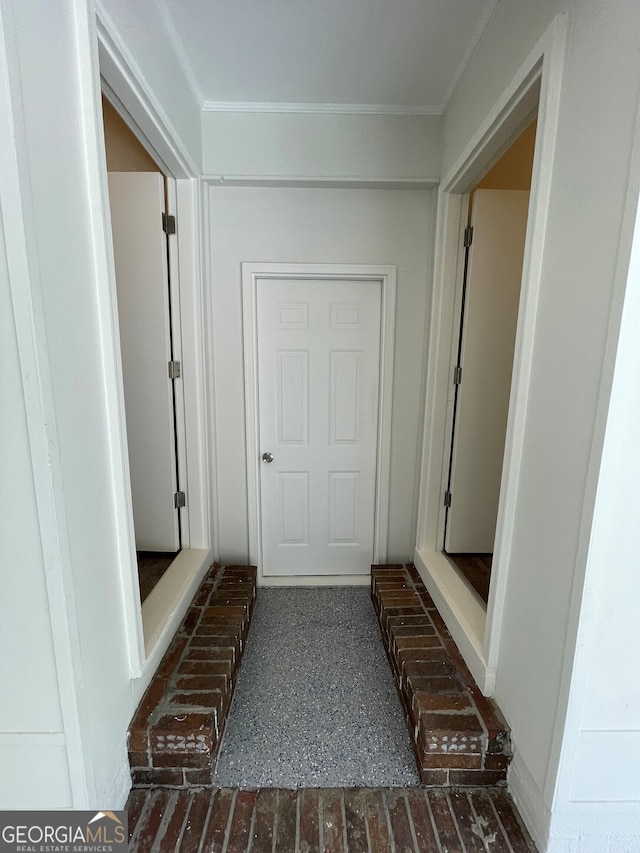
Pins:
x: 315, y: 704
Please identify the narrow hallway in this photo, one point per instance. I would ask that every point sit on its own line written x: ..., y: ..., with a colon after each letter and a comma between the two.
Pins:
x: 316, y: 753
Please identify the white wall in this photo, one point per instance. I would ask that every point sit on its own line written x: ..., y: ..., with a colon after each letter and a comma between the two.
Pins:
x: 70, y: 683
x: 318, y: 226
x: 53, y: 169
x: 577, y: 319
x: 598, y: 795
x: 24, y: 591
x: 323, y: 146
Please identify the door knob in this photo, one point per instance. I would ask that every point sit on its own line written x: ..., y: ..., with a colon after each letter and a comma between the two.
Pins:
x: 267, y: 457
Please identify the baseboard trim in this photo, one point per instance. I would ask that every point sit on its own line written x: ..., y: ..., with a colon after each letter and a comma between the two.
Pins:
x: 530, y: 802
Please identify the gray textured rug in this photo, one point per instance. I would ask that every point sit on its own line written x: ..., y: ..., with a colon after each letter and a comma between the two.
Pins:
x: 315, y: 704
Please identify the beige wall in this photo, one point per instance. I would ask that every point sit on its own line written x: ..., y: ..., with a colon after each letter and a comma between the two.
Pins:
x: 124, y: 151
x: 513, y: 169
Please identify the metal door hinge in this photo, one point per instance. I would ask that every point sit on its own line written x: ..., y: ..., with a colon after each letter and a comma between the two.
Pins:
x: 468, y: 236
x: 447, y: 499
x: 175, y: 371
x: 179, y: 500
x: 457, y: 375
x: 168, y: 223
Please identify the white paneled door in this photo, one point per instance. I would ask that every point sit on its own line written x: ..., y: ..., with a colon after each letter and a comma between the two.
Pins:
x: 142, y: 281
x: 319, y: 376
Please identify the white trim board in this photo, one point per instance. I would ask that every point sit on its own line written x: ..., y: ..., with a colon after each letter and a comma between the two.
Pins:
x: 168, y: 601
x: 533, y: 809
x: 311, y: 182
x: 123, y: 82
x: 462, y: 613
x: 317, y: 580
x: 386, y: 275
x: 537, y: 82
x: 133, y: 98
x: 323, y: 109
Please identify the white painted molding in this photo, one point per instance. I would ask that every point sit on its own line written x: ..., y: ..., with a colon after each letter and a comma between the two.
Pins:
x: 132, y: 96
x: 540, y: 73
x: 121, y: 75
x: 549, y: 54
x: 317, y: 580
x: 167, y: 604
x: 251, y: 274
x: 529, y: 800
x: 208, y: 380
x: 114, y: 388
x: 461, y: 612
x: 194, y: 332
x: 32, y: 739
x: 324, y: 109
x: 314, y: 182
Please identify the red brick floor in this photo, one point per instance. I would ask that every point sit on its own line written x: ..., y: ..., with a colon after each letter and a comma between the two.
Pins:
x: 335, y: 820
x: 459, y: 736
x: 175, y: 734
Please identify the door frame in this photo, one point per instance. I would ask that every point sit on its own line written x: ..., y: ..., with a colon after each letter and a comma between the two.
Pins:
x: 537, y: 83
x: 386, y: 276
x: 150, y: 627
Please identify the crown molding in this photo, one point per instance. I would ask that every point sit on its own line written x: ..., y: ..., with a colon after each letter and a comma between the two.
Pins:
x: 323, y: 109
x: 311, y: 108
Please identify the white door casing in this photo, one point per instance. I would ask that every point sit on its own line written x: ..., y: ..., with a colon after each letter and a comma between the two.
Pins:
x: 499, y: 221
x: 137, y: 202
x: 318, y: 368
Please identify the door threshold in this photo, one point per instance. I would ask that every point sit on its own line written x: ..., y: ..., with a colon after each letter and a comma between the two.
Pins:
x: 475, y: 569
x: 462, y: 612
x: 169, y: 599
x: 315, y: 580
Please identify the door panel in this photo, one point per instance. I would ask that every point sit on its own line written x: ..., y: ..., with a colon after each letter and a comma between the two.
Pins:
x: 142, y: 280
x: 499, y: 220
x: 318, y: 374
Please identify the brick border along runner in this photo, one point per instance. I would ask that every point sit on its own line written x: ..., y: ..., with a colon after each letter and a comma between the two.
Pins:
x: 459, y: 736
x: 175, y: 735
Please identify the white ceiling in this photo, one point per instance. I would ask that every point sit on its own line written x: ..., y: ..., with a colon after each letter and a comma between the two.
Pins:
x: 398, y: 55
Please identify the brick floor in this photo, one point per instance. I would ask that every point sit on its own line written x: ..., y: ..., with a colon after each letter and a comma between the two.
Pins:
x: 334, y: 820
x: 459, y: 736
x: 175, y: 735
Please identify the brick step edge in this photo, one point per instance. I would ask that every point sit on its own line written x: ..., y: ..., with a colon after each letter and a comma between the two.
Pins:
x: 458, y: 735
x: 175, y: 735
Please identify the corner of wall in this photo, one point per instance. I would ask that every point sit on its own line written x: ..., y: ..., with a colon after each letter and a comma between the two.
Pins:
x: 529, y: 799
